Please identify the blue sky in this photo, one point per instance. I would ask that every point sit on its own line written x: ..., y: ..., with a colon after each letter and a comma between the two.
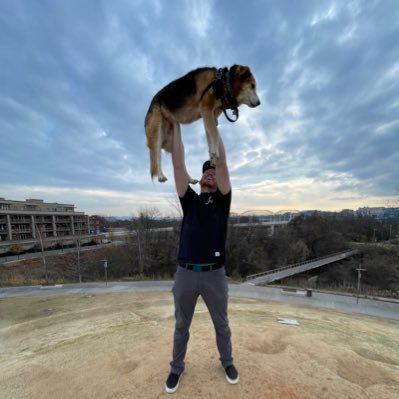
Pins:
x: 77, y: 77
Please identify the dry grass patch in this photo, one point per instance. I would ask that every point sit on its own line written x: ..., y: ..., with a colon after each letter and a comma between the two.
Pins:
x: 118, y: 345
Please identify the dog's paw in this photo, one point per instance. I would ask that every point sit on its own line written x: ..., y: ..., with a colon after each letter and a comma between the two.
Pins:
x: 213, y: 156
x: 162, y: 179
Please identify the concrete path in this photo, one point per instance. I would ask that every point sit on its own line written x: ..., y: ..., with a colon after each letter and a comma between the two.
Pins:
x: 342, y: 303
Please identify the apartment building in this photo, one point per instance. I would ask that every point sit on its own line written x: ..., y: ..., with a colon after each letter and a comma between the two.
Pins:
x: 24, y: 222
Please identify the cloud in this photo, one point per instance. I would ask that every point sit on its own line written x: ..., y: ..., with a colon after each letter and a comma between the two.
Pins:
x: 78, y: 79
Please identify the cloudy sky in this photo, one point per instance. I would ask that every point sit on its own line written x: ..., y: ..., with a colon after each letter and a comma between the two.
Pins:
x: 77, y: 77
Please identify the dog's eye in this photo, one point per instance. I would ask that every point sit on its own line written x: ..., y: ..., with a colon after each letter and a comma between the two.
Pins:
x: 253, y: 85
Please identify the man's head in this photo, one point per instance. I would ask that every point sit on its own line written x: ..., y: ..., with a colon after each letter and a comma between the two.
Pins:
x: 207, y: 165
x: 208, y: 179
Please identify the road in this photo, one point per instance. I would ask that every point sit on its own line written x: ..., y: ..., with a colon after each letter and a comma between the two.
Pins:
x: 52, y: 252
x: 341, y: 303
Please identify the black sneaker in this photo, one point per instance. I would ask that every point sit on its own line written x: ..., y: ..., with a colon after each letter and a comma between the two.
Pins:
x: 232, y: 374
x: 172, y: 383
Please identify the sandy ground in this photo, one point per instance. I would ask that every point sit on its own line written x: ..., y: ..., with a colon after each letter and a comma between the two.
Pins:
x: 119, y: 346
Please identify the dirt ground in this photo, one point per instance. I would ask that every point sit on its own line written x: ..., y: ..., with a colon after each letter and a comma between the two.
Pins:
x: 119, y: 345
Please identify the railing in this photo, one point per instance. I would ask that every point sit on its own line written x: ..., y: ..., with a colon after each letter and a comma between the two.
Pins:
x: 267, y: 272
x: 24, y: 230
x: 20, y: 221
x: 49, y: 252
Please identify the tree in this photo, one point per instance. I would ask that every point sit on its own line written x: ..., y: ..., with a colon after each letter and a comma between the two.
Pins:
x: 175, y: 203
x: 42, y: 250
x: 298, y: 252
x: 143, y: 227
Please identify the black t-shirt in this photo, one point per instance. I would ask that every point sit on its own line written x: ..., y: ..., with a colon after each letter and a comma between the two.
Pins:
x: 204, y: 227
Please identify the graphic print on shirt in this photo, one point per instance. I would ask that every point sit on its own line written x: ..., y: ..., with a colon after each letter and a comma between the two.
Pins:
x: 209, y: 201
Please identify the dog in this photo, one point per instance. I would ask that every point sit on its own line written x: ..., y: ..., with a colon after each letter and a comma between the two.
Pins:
x: 202, y: 93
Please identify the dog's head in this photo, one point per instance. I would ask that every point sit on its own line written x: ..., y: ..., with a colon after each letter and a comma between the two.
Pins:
x: 244, y: 86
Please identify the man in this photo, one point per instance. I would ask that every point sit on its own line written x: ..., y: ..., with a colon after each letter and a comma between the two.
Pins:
x: 201, y: 258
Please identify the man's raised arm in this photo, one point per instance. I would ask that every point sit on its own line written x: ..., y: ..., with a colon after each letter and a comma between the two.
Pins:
x: 179, y: 165
x: 222, y: 171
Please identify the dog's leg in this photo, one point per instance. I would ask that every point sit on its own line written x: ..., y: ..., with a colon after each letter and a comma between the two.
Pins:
x: 212, y: 135
x: 153, y: 128
x: 176, y: 127
x: 161, y: 177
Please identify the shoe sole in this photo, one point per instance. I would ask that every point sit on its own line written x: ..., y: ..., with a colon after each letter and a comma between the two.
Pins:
x: 173, y: 390
x: 233, y: 382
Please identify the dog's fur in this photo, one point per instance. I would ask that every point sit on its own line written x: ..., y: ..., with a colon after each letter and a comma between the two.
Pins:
x: 184, y: 101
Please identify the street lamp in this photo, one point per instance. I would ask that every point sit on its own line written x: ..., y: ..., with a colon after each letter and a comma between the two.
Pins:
x: 105, y: 270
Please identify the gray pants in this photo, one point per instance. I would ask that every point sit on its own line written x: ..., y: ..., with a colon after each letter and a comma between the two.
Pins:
x: 213, y: 288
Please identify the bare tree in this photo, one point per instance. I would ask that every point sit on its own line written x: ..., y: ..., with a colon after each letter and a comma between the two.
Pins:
x: 175, y: 203
x: 143, y: 226
x: 42, y: 251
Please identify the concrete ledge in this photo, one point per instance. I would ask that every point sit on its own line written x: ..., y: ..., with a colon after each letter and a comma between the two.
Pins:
x: 293, y: 291
x: 338, y: 303
x: 49, y: 287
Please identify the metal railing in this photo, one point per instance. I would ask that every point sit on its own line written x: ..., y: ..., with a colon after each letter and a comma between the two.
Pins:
x: 49, y: 252
x: 344, y: 254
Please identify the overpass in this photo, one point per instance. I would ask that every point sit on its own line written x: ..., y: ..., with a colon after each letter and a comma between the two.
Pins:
x: 296, y: 268
x: 265, y: 218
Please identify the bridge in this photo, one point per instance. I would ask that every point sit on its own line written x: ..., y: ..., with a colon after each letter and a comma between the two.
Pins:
x: 296, y: 268
x: 263, y: 217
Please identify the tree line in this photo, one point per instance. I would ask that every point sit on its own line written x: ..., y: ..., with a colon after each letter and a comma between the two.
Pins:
x: 151, y: 249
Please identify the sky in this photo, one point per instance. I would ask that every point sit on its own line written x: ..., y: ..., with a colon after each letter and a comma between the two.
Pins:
x: 77, y: 78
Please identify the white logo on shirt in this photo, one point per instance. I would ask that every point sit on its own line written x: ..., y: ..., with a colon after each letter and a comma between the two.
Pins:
x: 209, y: 201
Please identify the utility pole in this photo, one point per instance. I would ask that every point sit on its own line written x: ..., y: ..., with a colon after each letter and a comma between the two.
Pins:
x: 141, y: 263
x: 359, y: 276
x: 78, y: 256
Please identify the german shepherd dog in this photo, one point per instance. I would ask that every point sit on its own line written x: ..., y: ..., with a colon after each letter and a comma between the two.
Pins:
x: 203, y: 92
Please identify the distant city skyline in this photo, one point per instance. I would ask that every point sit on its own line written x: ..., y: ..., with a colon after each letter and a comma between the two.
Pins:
x: 172, y: 205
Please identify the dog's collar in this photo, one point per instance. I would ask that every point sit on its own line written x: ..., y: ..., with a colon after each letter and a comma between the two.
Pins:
x: 221, y: 87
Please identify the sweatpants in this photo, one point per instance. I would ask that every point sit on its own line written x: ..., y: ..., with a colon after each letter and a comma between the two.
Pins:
x: 213, y: 288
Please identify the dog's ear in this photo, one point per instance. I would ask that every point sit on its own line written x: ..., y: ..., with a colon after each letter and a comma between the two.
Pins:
x: 242, y: 72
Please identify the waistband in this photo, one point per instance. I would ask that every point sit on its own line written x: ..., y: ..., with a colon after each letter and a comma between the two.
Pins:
x: 201, y: 267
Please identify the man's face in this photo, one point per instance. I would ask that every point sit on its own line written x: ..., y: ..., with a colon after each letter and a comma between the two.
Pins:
x: 209, y: 179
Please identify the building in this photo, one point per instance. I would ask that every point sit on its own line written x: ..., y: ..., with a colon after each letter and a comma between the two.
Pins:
x: 97, y: 224
x: 391, y: 213
x: 347, y: 213
x: 376, y: 212
x: 23, y: 223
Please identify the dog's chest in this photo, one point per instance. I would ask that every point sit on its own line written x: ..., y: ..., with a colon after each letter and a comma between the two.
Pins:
x: 187, y: 114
